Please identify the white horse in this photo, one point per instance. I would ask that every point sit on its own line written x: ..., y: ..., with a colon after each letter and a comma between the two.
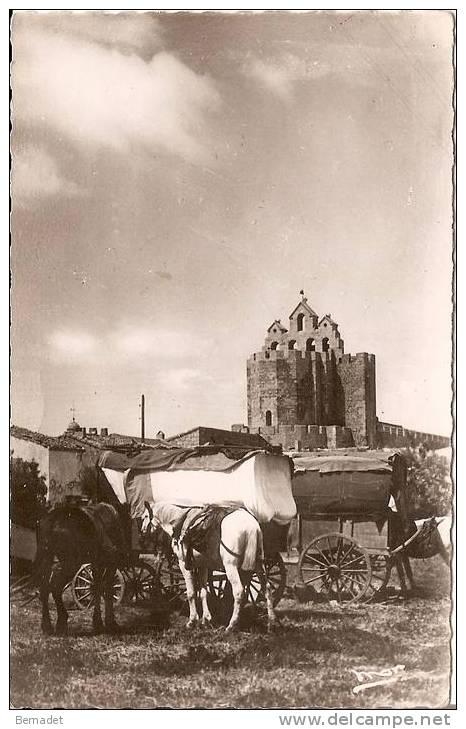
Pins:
x: 241, y: 554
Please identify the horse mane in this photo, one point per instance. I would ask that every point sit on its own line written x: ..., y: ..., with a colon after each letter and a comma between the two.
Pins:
x: 168, y: 514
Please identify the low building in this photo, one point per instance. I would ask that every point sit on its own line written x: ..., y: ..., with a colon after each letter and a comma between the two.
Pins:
x: 216, y: 436
x: 62, y: 459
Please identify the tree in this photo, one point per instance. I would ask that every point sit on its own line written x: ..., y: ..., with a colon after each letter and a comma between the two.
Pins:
x: 92, y: 483
x: 28, y: 492
x: 429, y: 484
x: 88, y: 483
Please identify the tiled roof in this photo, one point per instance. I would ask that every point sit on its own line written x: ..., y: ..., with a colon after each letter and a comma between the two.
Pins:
x: 79, y: 442
x: 113, y: 440
x: 53, y: 443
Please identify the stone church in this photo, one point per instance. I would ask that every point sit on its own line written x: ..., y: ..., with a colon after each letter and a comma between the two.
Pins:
x: 305, y: 392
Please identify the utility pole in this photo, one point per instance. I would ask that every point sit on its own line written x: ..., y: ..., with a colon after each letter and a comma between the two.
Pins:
x: 142, y: 406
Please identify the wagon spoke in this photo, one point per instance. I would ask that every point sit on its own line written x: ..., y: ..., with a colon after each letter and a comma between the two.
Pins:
x: 350, y: 589
x: 359, y: 558
x: 351, y: 585
x: 359, y: 584
x: 355, y: 580
x: 354, y: 571
x: 313, y: 560
x: 337, y: 583
x: 83, y: 592
x: 254, y: 589
x: 248, y: 593
x: 313, y: 579
x: 315, y: 569
x: 350, y: 550
x: 323, y: 555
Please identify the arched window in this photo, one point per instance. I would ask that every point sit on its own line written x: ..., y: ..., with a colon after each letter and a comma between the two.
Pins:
x: 325, y: 344
x: 268, y: 417
x: 267, y: 355
x: 300, y: 322
x: 310, y: 345
x: 274, y: 345
x: 291, y: 344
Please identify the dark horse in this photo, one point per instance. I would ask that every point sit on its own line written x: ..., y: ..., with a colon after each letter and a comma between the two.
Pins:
x: 73, y: 534
x: 407, y: 541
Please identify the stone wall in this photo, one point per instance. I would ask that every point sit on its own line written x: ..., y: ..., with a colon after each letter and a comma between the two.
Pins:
x: 395, y: 436
x: 307, y: 437
x: 296, y: 388
x: 357, y: 378
x: 217, y: 436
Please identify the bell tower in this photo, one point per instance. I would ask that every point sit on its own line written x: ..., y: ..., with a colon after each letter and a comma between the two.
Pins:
x: 301, y: 378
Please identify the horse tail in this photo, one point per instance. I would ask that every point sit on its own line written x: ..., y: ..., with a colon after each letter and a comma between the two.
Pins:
x: 253, y: 549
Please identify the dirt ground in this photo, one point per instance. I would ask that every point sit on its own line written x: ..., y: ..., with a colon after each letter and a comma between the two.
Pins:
x: 306, y: 664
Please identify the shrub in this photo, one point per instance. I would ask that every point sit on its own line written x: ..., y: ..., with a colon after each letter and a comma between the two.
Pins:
x: 88, y: 482
x: 429, y: 484
x: 92, y: 483
x: 28, y: 491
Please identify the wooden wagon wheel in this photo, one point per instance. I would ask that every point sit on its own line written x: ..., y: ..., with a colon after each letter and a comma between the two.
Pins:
x: 218, y: 585
x: 81, y: 587
x: 335, y: 567
x: 23, y: 591
x: 381, y: 567
x: 171, y: 581
x: 140, y: 580
x: 275, y: 572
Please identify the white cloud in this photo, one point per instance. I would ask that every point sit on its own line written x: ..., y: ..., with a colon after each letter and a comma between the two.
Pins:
x: 134, y: 342
x: 73, y: 346
x: 35, y: 174
x: 281, y: 76
x: 104, y: 97
x: 128, y: 32
x: 163, y: 353
x: 182, y: 378
x: 139, y: 344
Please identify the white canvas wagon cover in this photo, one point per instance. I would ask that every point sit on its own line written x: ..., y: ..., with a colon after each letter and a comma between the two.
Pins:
x: 257, y: 480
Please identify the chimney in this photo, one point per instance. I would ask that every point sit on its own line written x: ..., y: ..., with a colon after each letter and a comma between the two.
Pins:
x: 92, y: 431
x: 83, y: 431
x: 104, y: 431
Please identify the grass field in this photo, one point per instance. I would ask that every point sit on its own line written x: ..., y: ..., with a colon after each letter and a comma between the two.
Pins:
x: 306, y: 664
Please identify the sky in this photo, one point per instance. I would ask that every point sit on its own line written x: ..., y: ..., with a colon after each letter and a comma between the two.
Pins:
x: 178, y: 178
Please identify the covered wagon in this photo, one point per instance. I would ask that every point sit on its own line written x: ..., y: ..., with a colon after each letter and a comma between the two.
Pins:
x: 229, y: 476
x: 350, y: 504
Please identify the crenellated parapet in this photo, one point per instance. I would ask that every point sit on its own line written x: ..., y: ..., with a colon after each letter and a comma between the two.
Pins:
x: 360, y: 357
x: 268, y: 355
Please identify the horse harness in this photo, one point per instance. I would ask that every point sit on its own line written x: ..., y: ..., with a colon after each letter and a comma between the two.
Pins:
x: 199, y: 530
